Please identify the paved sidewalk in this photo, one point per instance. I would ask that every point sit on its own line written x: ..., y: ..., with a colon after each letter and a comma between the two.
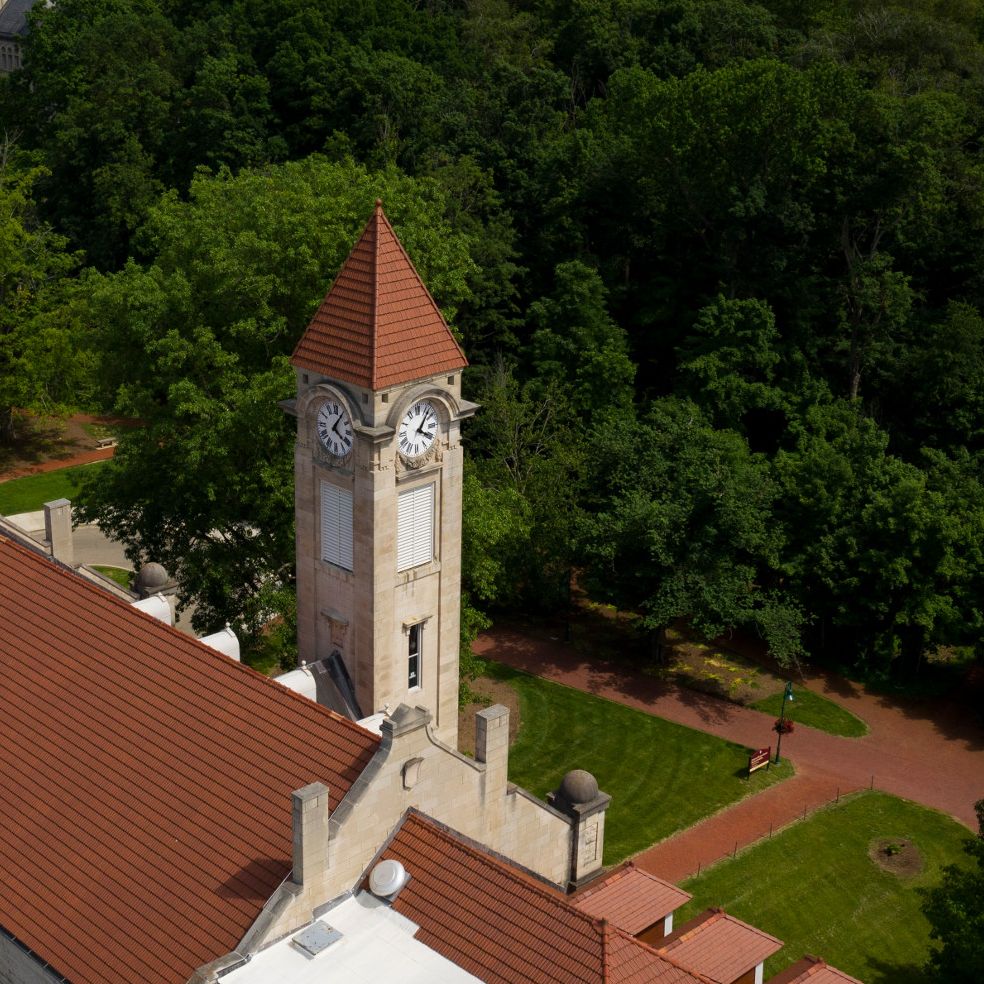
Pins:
x: 929, y: 751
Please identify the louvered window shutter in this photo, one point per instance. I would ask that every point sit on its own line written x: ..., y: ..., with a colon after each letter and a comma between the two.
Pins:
x: 415, y: 527
x: 336, y: 526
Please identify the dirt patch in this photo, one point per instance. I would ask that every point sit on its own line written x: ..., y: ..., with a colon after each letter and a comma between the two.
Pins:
x: 490, y: 692
x: 44, y: 443
x: 896, y: 854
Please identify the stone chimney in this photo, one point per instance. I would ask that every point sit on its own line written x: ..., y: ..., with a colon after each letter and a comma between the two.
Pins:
x: 310, y: 817
x: 492, y: 748
x: 58, y: 530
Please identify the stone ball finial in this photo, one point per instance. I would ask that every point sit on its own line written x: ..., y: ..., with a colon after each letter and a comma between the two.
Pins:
x: 151, y: 577
x: 579, y: 786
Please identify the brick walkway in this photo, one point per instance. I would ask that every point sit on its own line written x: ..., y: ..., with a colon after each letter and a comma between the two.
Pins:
x: 929, y: 751
x: 82, y: 458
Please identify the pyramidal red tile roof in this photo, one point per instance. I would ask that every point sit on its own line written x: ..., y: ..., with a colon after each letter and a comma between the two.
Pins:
x: 719, y: 946
x: 812, y: 970
x: 631, y: 898
x: 501, y: 924
x: 378, y: 326
x: 145, y: 816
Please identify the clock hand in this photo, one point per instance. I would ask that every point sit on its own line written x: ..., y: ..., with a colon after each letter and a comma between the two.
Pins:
x: 334, y: 426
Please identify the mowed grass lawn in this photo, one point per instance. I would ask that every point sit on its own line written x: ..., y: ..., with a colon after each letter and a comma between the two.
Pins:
x: 30, y: 493
x: 809, y: 708
x: 815, y: 888
x: 662, y: 777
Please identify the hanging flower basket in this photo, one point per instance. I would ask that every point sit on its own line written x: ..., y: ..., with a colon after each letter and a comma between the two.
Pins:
x: 783, y: 727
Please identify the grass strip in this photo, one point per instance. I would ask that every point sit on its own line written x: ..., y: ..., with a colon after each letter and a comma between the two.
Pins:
x: 811, y: 709
x: 120, y: 575
x: 30, y: 493
x: 815, y: 887
x: 662, y: 777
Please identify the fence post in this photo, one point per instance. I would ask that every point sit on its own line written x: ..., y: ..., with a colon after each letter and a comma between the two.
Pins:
x: 872, y: 784
x: 838, y: 795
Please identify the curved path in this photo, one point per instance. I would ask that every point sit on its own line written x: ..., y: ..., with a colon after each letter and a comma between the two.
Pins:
x: 929, y: 751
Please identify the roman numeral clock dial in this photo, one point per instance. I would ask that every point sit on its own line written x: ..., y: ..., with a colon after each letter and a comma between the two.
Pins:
x: 334, y: 429
x: 418, y: 430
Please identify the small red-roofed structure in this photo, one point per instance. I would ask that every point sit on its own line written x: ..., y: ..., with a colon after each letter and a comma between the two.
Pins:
x: 812, y: 970
x: 635, y: 901
x: 378, y: 325
x: 722, y: 948
x: 506, y: 926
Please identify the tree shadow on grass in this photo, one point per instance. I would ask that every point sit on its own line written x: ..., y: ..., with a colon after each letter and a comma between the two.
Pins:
x: 887, y: 972
x: 611, y: 678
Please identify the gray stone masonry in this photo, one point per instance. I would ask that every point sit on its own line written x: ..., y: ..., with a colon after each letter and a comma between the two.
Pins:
x: 19, y: 966
x: 469, y: 796
x: 310, y: 819
x: 366, y: 613
x: 58, y: 530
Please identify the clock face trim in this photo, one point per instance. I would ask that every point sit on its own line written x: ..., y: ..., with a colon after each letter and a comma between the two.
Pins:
x: 334, y: 428
x: 418, y: 430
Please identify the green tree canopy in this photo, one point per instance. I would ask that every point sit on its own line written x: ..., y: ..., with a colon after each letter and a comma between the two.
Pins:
x: 955, y: 910
x: 684, y: 528
x: 43, y: 364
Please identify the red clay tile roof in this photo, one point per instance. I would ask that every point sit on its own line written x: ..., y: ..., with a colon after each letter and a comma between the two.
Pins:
x: 719, y: 946
x: 378, y: 326
x: 631, y: 899
x: 502, y: 925
x: 145, y: 815
x: 629, y: 961
x: 812, y: 970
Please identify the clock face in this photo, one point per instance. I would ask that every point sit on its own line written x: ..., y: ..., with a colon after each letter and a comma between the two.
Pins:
x: 418, y: 429
x: 335, y: 429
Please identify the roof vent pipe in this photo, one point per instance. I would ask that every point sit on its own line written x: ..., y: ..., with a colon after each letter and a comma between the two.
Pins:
x: 387, y: 878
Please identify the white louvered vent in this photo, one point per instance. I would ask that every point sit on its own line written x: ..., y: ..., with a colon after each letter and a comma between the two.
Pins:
x: 415, y: 527
x: 336, y: 525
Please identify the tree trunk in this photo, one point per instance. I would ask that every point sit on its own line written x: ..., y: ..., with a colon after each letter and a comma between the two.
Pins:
x: 7, y: 430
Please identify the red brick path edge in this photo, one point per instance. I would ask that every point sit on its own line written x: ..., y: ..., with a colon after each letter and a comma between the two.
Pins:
x: 55, y: 464
x: 80, y: 457
x: 930, y: 751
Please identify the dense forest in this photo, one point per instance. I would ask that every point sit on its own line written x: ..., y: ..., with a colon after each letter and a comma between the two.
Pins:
x: 718, y: 266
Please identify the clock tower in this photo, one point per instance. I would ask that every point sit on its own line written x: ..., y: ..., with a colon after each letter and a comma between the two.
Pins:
x: 378, y: 470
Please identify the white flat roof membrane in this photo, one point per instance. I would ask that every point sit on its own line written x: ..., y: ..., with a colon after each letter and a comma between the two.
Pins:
x: 375, y: 944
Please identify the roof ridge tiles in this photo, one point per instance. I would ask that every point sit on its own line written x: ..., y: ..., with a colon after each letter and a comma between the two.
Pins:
x: 374, y: 294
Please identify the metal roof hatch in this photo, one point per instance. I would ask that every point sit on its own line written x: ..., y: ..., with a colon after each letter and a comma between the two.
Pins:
x: 316, y: 938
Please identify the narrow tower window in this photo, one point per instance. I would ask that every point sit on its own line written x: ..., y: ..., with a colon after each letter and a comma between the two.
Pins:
x: 413, y: 656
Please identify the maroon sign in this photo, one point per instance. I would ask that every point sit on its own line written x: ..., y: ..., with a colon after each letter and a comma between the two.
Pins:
x: 759, y: 758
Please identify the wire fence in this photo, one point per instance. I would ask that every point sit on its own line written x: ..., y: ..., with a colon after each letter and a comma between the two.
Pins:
x: 775, y: 826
